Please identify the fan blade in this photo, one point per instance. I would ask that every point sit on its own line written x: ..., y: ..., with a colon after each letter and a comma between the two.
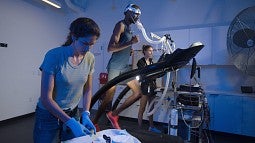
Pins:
x: 244, y: 38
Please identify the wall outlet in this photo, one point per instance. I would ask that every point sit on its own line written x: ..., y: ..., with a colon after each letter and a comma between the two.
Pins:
x: 3, y: 44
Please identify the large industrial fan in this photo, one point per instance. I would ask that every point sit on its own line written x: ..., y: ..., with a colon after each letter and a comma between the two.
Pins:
x: 241, y: 41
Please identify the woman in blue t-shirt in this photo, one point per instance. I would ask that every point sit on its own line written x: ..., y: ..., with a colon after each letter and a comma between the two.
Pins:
x: 66, y: 79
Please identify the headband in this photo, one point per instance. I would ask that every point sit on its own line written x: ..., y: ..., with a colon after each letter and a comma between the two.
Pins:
x: 134, y: 10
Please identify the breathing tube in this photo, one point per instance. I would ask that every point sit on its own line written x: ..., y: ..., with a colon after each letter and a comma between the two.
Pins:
x: 140, y: 27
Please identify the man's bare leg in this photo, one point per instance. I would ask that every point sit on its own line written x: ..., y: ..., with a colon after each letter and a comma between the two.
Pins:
x: 135, y: 87
x: 106, y: 100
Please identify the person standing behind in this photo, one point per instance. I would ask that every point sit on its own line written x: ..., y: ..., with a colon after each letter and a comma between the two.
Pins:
x: 120, y: 45
x: 66, y: 78
x: 147, y: 87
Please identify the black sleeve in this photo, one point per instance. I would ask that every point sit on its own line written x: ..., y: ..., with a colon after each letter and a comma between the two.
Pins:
x: 140, y: 63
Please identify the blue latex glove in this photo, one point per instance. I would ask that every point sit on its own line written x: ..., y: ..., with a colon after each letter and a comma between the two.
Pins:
x: 87, y: 122
x: 77, y: 129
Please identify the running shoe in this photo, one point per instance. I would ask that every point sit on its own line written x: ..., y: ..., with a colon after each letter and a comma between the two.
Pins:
x: 113, y: 119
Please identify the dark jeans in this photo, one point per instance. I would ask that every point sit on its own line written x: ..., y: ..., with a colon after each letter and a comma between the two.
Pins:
x: 48, y: 128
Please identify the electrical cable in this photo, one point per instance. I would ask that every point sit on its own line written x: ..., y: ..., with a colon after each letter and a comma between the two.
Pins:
x: 202, y: 119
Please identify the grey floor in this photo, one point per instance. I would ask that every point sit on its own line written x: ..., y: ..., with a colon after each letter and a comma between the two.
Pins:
x: 20, y: 130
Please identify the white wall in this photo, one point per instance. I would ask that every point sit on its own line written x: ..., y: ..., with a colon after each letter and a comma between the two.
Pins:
x: 31, y: 28
x: 187, y: 22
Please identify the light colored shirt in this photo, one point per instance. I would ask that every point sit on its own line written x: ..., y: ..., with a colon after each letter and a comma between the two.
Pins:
x: 69, y: 79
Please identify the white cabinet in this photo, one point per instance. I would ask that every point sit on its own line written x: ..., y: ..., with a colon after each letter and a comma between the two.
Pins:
x: 232, y: 113
x: 248, y: 118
